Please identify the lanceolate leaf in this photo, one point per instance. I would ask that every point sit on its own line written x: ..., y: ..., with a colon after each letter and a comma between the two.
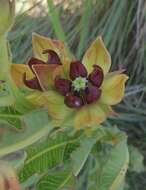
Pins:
x: 55, y: 20
x: 46, y: 155
x: 80, y: 155
x: 87, y: 12
x: 56, y: 181
x: 112, y: 173
x: 36, y: 125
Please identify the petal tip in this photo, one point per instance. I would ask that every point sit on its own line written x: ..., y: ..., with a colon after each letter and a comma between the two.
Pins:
x: 113, y: 89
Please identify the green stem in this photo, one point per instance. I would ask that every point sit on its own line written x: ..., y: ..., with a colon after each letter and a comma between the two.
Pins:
x: 4, y: 58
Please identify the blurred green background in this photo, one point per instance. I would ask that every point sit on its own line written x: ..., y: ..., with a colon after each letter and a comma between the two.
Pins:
x: 122, y: 23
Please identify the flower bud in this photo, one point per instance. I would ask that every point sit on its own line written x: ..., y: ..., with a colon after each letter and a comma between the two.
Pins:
x: 53, y: 57
x: 7, y: 13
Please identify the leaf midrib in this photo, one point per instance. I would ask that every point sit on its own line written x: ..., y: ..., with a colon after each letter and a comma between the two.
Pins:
x: 49, y: 149
x: 65, y: 181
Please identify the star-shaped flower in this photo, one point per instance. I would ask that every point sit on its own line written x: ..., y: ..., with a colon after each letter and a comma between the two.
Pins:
x: 82, y: 90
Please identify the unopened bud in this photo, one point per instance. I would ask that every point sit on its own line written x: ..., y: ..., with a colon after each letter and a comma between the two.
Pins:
x: 7, y: 13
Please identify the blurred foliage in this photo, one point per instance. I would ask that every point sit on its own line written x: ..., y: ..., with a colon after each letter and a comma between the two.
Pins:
x: 123, y: 27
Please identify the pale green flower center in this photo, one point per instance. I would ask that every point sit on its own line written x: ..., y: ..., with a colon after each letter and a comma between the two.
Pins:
x: 79, y: 83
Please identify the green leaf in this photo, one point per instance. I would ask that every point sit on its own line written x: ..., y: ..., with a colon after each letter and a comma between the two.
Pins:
x: 85, y: 21
x: 21, y: 104
x: 30, y: 182
x: 6, y: 99
x: 36, y: 125
x: 56, y: 181
x: 112, y: 172
x: 10, y: 117
x: 136, y: 160
x: 55, y: 20
x: 80, y: 156
x: 45, y: 155
x: 16, y: 160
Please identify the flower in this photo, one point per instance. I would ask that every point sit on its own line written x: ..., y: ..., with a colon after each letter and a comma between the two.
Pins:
x: 82, y: 91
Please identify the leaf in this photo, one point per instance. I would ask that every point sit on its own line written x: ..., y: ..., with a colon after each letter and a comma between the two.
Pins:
x: 85, y: 20
x: 136, y: 160
x: 10, y: 117
x: 80, y: 156
x: 72, y: 146
x: 56, y: 181
x: 111, y: 174
x: 55, y: 20
x: 45, y: 155
x: 30, y: 182
x: 6, y: 98
x: 22, y: 105
x: 16, y: 160
x: 36, y: 125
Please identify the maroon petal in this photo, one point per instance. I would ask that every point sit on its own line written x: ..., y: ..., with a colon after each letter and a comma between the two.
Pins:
x: 34, y: 61
x: 63, y: 86
x: 92, y: 94
x: 96, y: 76
x: 32, y: 83
x: 73, y: 101
x: 53, y: 57
x: 77, y: 69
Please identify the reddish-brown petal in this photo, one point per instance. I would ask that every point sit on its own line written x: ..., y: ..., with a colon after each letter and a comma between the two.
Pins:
x: 96, y: 76
x: 53, y: 57
x: 63, y: 86
x: 32, y: 83
x: 92, y: 94
x: 44, y: 74
x: 77, y: 69
x: 73, y: 101
x: 34, y: 61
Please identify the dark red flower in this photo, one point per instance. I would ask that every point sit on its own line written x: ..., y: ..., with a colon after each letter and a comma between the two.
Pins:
x: 92, y: 94
x: 79, y: 90
x: 82, y: 88
x: 96, y: 76
x: 73, y: 101
x: 53, y: 58
x: 63, y: 86
x: 32, y: 83
x: 34, y: 61
x: 77, y: 69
